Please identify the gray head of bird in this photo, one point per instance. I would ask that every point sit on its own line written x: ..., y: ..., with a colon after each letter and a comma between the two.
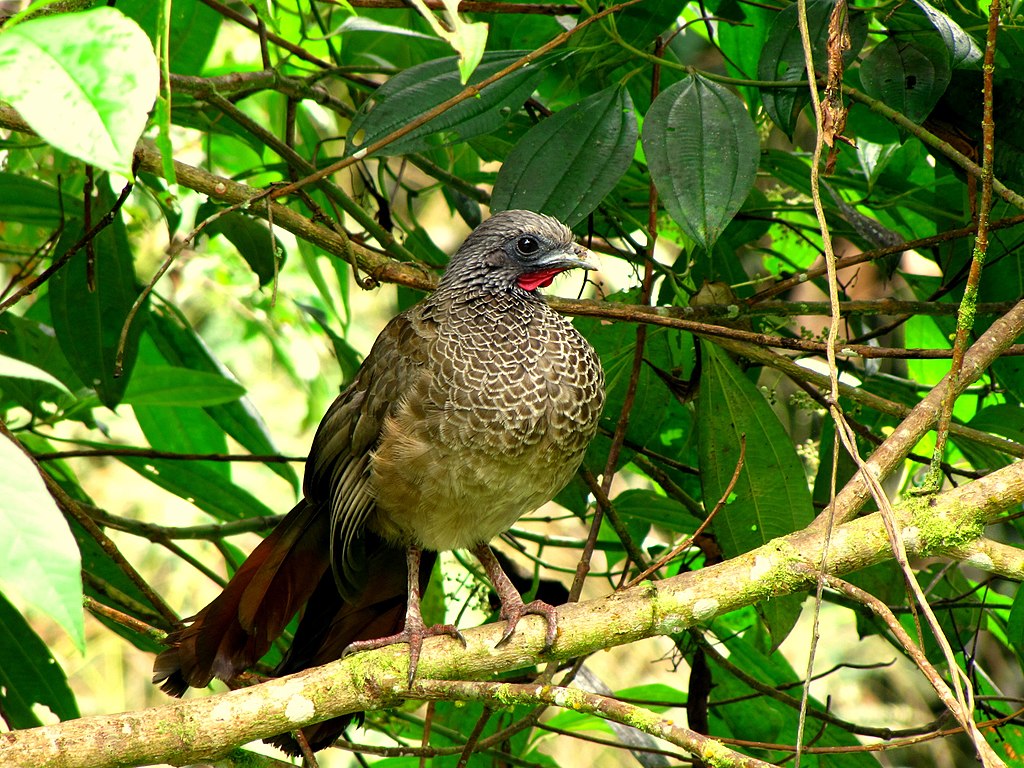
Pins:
x: 515, y: 250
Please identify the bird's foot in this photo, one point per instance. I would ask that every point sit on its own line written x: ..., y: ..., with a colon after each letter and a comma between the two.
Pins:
x: 513, y: 610
x: 413, y: 634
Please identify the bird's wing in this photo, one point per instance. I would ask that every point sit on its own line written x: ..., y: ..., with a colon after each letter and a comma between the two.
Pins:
x: 338, y: 468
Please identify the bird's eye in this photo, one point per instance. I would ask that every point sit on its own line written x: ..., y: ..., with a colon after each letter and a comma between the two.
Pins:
x: 527, y: 245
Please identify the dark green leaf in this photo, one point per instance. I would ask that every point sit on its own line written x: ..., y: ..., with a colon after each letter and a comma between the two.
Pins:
x: 35, y: 202
x: 12, y: 368
x: 908, y: 75
x: 32, y: 339
x: 193, y: 30
x: 181, y: 346
x: 741, y: 715
x: 1004, y: 419
x: 656, y: 420
x: 744, y: 42
x: 605, y: 45
x: 771, y: 497
x: 29, y: 675
x: 88, y: 322
x: 963, y: 51
x: 183, y: 430
x: 703, y: 150
x: 567, y: 164
x: 408, y: 95
x: 169, y: 385
x: 1015, y: 626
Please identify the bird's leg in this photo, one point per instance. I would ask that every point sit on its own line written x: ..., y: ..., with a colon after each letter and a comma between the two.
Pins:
x: 414, y: 630
x: 512, y: 606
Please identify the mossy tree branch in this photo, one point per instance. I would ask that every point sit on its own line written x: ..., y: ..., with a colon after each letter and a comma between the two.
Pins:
x: 948, y: 524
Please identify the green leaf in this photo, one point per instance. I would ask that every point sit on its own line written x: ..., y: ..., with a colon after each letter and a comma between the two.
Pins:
x: 29, y: 676
x: 419, y: 89
x: 39, y: 562
x: 1006, y: 419
x: 34, y: 202
x: 655, y: 414
x: 88, y: 322
x: 653, y: 508
x: 167, y: 385
x: 13, y: 368
x: 85, y: 82
x: 200, y: 485
x: 908, y: 75
x: 603, y: 46
x: 180, y: 345
x: 567, y: 164
x: 735, y: 712
x: 703, y: 149
x: 193, y: 30
x: 771, y: 497
x: 180, y: 429
x: 963, y: 51
x: 744, y: 42
x: 1015, y: 626
x: 251, y: 238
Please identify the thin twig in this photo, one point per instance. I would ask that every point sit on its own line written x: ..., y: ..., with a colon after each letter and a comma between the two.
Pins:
x: 84, y: 240
x: 966, y: 314
x: 502, y: 694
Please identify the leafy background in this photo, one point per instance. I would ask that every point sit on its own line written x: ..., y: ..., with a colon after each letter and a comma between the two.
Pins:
x: 167, y: 346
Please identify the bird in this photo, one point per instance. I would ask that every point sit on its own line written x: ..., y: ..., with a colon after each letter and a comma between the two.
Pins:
x: 472, y: 408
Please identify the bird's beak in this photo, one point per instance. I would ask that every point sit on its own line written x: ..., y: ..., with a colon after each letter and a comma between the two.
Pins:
x: 575, y: 256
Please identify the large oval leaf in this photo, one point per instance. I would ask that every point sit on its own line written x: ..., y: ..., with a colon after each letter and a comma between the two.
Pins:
x: 419, y: 89
x: 908, y: 75
x: 192, y: 31
x: 39, y: 561
x: 702, y: 149
x: 567, y: 164
x: 11, y: 367
x: 963, y: 51
x: 198, y: 484
x: 85, y: 82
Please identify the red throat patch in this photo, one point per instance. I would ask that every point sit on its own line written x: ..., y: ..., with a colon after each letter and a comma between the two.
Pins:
x: 541, y: 279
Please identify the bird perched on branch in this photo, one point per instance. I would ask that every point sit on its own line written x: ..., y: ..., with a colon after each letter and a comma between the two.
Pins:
x: 473, y: 407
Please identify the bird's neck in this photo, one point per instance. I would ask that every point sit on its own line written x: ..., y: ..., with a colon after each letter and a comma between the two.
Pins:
x: 485, y: 292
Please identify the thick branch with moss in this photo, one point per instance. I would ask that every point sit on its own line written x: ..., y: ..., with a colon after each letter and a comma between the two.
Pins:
x: 189, y: 731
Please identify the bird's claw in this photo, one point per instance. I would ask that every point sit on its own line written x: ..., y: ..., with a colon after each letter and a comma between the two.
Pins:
x: 514, y: 612
x: 413, y: 635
